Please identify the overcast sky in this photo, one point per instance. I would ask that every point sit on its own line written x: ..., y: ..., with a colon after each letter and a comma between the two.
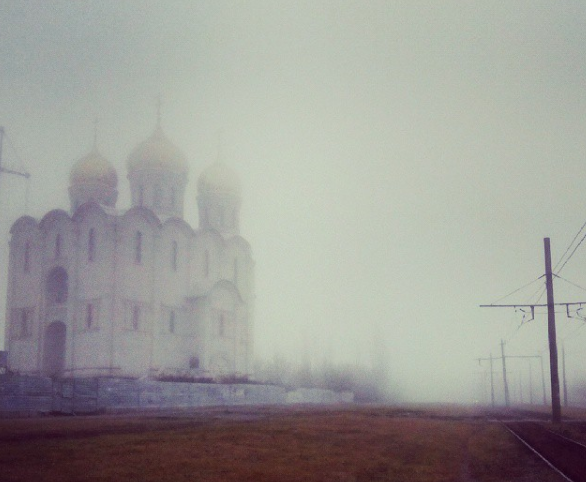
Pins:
x: 401, y: 162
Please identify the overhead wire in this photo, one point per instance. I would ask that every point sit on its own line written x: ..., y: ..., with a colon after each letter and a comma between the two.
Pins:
x: 517, y: 290
x: 572, y: 254
x: 542, y: 289
x: 13, y: 149
x: 570, y: 282
x: 569, y: 246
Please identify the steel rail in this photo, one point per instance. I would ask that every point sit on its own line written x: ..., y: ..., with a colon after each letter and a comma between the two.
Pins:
x: 539, y: 454
x: 564, y: 437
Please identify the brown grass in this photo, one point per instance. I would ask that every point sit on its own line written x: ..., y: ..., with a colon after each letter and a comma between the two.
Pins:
x: 303, y: 445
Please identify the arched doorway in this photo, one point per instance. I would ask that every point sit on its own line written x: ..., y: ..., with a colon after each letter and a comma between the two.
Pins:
x: 57, y: 286
x: 54, y: 349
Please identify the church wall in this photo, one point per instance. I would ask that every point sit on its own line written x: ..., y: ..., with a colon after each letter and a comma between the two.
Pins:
x: 95, y: 257
x: 174, y: 268
x: 176, y: 355
x: 222, y: 341
x: 237, y: 266
x: 59, y: 250
x: 91, y: 356
x: 135, y: 307
x: 220, y: 212
x: 159, y: 190
x: 95, y: 262
x: 242, y: 333
x: 206, y: 263
x: 173, y: 334
x: 23, y: 327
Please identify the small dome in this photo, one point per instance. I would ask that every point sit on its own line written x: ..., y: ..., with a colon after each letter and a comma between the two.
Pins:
x: 157, y: 152
x: 94, y: 168
x: 218, y: 179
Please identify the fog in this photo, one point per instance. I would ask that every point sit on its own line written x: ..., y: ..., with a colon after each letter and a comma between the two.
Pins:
x: 401, y: 162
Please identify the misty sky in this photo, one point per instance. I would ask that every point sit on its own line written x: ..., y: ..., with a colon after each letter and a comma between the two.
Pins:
x: 401, y: 162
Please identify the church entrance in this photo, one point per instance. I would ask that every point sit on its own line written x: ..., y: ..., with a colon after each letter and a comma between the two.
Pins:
x: 54, y: 349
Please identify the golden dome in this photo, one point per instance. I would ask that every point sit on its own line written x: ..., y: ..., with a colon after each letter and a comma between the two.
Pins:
x: 94, y: 168
x: 218, y: 179
x: 157, y: 152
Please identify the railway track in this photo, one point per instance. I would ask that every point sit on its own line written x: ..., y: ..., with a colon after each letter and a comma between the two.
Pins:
x: 566, y: 456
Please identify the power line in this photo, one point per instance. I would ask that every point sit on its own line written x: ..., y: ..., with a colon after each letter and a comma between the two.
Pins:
x: 569, y: 246
x: 22, y: 164
x: 570, y: 257
x: 571, y: 282
x: 518, y: 289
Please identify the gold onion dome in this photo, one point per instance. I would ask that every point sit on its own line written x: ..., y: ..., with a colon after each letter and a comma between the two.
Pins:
x: 157, y: 152
x: 218, y: 179
x: 94, y: 168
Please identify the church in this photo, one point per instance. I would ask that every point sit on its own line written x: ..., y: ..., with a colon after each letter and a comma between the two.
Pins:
x: 134, y: 293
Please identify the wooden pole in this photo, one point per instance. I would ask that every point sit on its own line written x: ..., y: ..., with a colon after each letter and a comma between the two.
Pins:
x: 556, y: 409
x: 505, y: 373
x: 491, y: 383
x: 564, y: 375
x: 530, y: 383
x: 1, y: 142
x: 543, y: 380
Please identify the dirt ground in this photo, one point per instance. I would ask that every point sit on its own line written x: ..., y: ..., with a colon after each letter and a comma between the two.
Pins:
x: 342, y: 443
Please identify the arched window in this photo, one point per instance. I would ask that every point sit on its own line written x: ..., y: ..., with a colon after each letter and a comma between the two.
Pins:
x: 24, y: 323
x: 172, y: 322
x: 222, y: 326
x: 91, y: 245
x: 157, y: 196
x: 58, y: 246
x: 135, y: 317
x: 206, y: 263
x: 27, y: 257
x: 138, y: 247
x: 57, y: 286
x: 89, y: 315
x: 174, y: 250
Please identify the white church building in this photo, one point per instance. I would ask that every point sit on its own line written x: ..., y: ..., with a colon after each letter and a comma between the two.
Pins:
x: 133, y: 293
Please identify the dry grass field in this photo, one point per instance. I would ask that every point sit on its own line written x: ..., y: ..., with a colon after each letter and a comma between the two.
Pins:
x: 268, y: 444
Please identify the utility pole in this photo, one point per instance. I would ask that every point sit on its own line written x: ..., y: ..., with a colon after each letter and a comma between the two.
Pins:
x: 504, y: 357
x: 530, y: 357
x: 553, y: 349
x: 551, y: 331
x: 530, y: 384
x: 521, y: 388
x: 491, y: 383
x: 543, y: 380
x: 492, y: 401
x: 505, y: 373
x: 564, y: 375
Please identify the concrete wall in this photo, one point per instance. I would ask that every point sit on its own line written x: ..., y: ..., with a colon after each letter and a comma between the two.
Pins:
x: 21, y: 395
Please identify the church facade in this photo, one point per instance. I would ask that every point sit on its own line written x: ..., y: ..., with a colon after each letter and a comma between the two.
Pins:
x: 136, y: 293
